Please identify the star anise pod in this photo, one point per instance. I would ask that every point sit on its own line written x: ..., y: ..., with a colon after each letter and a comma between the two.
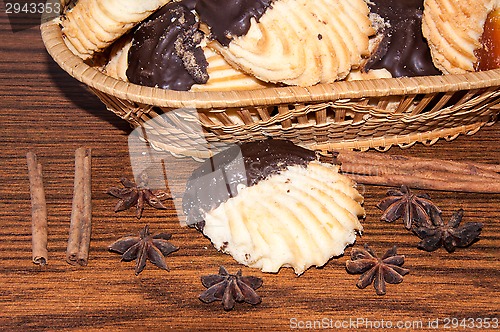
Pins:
x: 136, y: 195
x: 377, y: 270
x: 450, y: 235
x: 230, y: 288
x: 144, y: 247
x: 404, y: 204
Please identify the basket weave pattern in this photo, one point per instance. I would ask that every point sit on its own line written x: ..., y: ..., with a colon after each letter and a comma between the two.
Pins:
x: 343, y: 115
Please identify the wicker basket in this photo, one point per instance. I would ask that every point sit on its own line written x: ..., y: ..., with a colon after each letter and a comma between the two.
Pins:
x: 344, y: 115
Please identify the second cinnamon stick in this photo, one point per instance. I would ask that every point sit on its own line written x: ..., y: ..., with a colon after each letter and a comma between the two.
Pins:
x: 86, y: 225
x: 422, y: 173
x: 38, y: 211
x: 80, y: 212
x: 426, y: 183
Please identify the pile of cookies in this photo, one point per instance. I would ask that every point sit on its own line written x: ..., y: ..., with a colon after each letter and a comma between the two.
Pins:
x: 202, y: 45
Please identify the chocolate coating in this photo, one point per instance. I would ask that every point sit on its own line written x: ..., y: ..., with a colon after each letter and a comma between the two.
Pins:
x: 190, y: 4
x: 165, y: 50
x: 403, y: 50
x: 218, y: 178
x: 228, y: 18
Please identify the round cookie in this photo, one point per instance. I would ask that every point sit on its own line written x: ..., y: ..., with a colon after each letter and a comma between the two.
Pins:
x: 296, y: 42
x: 270, y: 204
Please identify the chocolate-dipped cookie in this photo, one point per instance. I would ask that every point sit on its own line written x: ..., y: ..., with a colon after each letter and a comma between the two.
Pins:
x: 403, y: 51
x: 271, y: 204
x: 166, y: 51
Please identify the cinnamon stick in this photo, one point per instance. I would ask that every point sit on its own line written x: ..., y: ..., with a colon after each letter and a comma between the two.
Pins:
x: 429, y: 184
x: 38, y: 211
x: 422, y: 173
x: 86, y: 226
x: 382, y: 170
x: 81, y: 211
x: 414, y: 163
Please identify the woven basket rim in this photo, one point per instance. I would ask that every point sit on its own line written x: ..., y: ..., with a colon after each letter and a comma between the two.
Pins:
x: 92, y: 77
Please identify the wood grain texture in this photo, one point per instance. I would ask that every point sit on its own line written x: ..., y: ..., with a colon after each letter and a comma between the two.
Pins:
x: 46, y: 111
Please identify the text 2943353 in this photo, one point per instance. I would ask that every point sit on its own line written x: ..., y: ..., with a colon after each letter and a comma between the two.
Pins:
x: 24, y: 14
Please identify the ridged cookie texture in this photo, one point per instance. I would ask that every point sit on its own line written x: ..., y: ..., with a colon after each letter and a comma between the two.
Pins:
x: 453, y: 29
x: 303, y: 42
x: 93, y: 25
x: 300, y: 217
x: 117, y: 64
x: 223, y: 77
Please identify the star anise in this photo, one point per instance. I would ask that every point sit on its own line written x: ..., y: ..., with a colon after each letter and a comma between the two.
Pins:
x: 144, y: 247
x: 449, y: 235
x: 137, y: 195
x: 377, y: 270
x: 404, y: 204
x: 230, y: 288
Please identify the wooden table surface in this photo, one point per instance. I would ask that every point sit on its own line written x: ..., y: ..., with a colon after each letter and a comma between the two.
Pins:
x: 45, y: 111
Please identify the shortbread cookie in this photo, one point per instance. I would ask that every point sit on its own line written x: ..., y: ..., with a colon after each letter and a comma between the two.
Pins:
x: 299, y: 218
x: 296, y: 42
x: 402, y: 49
x: 93, y: 25
x: 453, y: 29
x: 291, y: 211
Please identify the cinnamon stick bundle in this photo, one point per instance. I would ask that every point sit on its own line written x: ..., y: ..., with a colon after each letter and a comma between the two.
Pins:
x: 38, y: 211
x: 421, y: 173
x: 81, y: 214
